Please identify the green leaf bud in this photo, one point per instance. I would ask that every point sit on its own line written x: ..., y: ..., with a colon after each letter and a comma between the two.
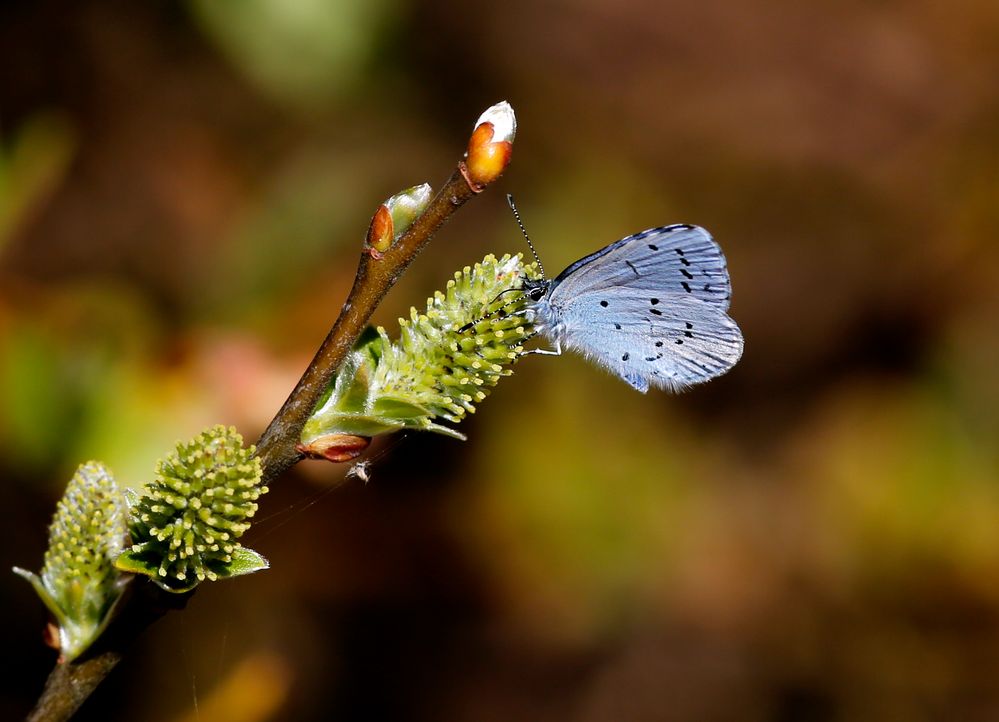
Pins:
x: 395, y: 216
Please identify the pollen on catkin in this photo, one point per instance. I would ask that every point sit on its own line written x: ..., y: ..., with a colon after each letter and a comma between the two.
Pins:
x: 187, y: 524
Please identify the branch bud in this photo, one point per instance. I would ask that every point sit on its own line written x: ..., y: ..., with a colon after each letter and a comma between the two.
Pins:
x: 490, y: 147
x: 395, y: 216
x: 334, y: 447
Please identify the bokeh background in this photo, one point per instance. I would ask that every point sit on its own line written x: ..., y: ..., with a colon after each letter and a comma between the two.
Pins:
x: 183, y: 190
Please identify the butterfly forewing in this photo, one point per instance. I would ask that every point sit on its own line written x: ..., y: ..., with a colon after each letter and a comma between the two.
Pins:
x: 679, y: 259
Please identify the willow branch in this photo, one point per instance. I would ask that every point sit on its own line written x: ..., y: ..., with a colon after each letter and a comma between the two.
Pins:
x: 70, y: 684
x: 375, y: 276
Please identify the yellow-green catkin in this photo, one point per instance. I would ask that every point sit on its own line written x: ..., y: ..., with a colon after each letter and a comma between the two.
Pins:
x: 78, y: 582
x: 445, y: 361
x: 187, y: 524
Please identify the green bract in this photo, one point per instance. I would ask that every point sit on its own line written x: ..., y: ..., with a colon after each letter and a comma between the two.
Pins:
x: 79, y: 583
x: 186, y: 526
x: 444, y: 362
x: 406, y: 206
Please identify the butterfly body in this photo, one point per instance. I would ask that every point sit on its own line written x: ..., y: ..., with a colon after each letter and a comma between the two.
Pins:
x: 651, y: 308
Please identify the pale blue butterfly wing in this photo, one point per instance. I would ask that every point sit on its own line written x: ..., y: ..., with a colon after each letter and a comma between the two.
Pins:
x: 681, y: 259
x: 650, y: 308
x: 689, y: 343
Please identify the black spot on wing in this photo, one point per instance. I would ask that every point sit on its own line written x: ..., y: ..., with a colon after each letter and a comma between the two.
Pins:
x: 604, y: 304
x: 686, y: 286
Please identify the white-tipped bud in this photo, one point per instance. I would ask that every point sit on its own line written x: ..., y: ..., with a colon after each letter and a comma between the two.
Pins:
x: 503, y: 119
x: 490, y: 147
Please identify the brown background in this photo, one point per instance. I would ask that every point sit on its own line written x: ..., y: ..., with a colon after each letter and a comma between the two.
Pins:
x: 183, y: 191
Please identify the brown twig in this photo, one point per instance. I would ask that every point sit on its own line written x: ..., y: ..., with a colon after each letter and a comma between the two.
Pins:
x: 375, y: 276
x: 70, y: 684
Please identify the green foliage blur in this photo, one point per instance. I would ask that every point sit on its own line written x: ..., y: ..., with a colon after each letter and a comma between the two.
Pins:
x: 184, y: 190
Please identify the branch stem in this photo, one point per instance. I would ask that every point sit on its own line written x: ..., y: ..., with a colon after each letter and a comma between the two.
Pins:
x: 70, y: 684
x: 375, y: 276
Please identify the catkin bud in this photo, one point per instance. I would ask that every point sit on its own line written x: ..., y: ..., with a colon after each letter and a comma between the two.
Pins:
x: 79, y: 583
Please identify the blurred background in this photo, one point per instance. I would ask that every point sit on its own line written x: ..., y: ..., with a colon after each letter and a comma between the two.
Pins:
x: 184, y: 187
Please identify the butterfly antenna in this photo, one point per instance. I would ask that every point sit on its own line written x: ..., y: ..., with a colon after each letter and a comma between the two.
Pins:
x: 516, y: 214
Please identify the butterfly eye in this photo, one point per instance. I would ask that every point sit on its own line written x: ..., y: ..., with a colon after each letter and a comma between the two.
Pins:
x: 534, y: 289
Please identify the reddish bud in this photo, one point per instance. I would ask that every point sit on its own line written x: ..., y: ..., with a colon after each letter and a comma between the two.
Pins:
x: 380, y: 232
x: 50, y: 636
x: 335, y: 447
x: 395, y: 216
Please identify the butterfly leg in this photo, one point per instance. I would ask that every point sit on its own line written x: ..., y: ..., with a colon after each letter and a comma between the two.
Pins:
x: 557, y: 351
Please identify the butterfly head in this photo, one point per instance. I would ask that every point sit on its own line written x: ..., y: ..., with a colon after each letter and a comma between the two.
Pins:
x: 535, y: 288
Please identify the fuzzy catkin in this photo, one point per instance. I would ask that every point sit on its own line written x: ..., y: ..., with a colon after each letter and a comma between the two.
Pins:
x: 190, y: 518
x: 445, y: 361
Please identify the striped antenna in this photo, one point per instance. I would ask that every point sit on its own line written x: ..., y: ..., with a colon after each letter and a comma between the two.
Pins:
x: 516, y: 214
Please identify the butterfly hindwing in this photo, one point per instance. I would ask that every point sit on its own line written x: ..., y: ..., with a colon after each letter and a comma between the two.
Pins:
x: 670, y: 344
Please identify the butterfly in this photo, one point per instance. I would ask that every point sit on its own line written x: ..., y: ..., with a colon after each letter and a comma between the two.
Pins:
x: 650, y: 308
